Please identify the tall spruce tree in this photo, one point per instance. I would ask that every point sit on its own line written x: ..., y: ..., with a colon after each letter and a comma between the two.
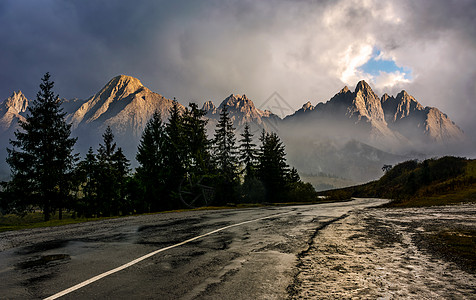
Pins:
x: 42, y: 159
x: 248, y: 152
x: 197, y: 156
x: 152, y: 164
x: 113, y: 168
x: 273, y: 169
x: 252, y: 189
x: 87, y: 176
x: 226, y: 157
x: 174, y: 155
x: 122, y: 169
x: 106, y: 191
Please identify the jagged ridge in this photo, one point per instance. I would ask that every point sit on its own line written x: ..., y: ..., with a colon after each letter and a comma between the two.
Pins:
x: 387, y: 120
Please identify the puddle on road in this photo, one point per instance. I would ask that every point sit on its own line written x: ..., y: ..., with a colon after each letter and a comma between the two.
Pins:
x: 169, y: 224
x: 42, y: 247
x: 42, y: 261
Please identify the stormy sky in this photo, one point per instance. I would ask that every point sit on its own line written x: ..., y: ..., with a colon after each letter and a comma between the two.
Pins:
x: 206, y: 50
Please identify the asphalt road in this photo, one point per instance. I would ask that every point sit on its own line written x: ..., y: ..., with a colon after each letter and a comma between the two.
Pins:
x: 229, y: 254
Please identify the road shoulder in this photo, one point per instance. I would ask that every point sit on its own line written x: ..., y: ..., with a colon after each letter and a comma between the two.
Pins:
x: 381, y: 253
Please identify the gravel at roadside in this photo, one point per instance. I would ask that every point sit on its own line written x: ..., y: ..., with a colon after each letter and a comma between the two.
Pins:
x: 384, y: 254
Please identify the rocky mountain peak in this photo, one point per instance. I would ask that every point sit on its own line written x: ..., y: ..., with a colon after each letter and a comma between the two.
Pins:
x: 241, y: 109
x: 207, y: 106
x: 12, y: 110
x: 400, y: 107
x: 438, y: 127
x: 403, y: 96
x: 307, y: 106
x: 122, y: 85
x: 366, y: 103
x: 406, y: 115
x: 344, y: 90
x: 385, y: 98
x: 17, y: 101
x: 364, y: 87
x: 123, y: 100
x: 238, y: 101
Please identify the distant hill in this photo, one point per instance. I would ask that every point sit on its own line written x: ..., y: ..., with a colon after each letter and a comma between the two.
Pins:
x: 430, y: 182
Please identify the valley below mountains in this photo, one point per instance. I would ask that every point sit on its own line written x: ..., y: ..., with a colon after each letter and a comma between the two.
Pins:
x: 343, y: 141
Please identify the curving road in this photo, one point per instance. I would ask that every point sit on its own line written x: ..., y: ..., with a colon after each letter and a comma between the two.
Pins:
x: 223, y: 254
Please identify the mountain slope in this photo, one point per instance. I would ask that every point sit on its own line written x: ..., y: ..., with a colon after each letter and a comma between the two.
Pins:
x: 348, y: 159
x: 124, y: 104
x: 347, y: 115
x: 11, y: 111
x: 242, y: 110
x: 390, y: 123
x: 351, y: 136
x: 406, y: 115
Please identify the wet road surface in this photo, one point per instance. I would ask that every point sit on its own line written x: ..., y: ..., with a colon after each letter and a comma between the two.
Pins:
x: 256, y: 259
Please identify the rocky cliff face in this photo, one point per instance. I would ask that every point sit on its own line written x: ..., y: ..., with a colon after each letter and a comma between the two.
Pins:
x: 306, y: 107
x: 406, y: 115
x: 365, y: 105
x: 388, y: 122
x: 124, y: 104
x: 12, y: 110
x: 400, y: 107
x: 438, y: 127
x: 347, y: 115
x: 242, y: 110
x: 209, y: 107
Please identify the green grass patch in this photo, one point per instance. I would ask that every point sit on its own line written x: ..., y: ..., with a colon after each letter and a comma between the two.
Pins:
x: 461, y: 196
x: 443, y: 181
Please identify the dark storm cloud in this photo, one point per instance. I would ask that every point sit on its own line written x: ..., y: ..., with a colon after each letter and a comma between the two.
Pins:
x: 201, y: 50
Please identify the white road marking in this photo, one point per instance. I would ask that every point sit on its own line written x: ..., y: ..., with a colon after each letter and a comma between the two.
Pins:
x: 135, y: 261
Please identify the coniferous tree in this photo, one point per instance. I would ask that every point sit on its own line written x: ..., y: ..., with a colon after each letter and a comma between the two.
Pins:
x: 248, y: 153
x: 152, y: 164
x: 41, y: 160
x: 293, y: 176
x: 273, y: 169
x: 122, y: 169
x: 87, y: 176
x: 226, y: 158
x: 252, y: 189
x: 106, y: 191
x: 113, y: 168
x: 174, y: 155
x: 197, y: 156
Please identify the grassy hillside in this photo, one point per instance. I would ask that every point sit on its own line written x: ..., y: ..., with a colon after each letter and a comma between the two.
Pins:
x: 442, y: 181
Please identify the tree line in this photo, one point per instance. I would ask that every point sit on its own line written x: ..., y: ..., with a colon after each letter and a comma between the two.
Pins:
x: 179, y: 166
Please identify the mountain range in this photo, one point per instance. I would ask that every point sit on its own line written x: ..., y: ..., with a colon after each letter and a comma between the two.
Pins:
x: 350, y: 136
